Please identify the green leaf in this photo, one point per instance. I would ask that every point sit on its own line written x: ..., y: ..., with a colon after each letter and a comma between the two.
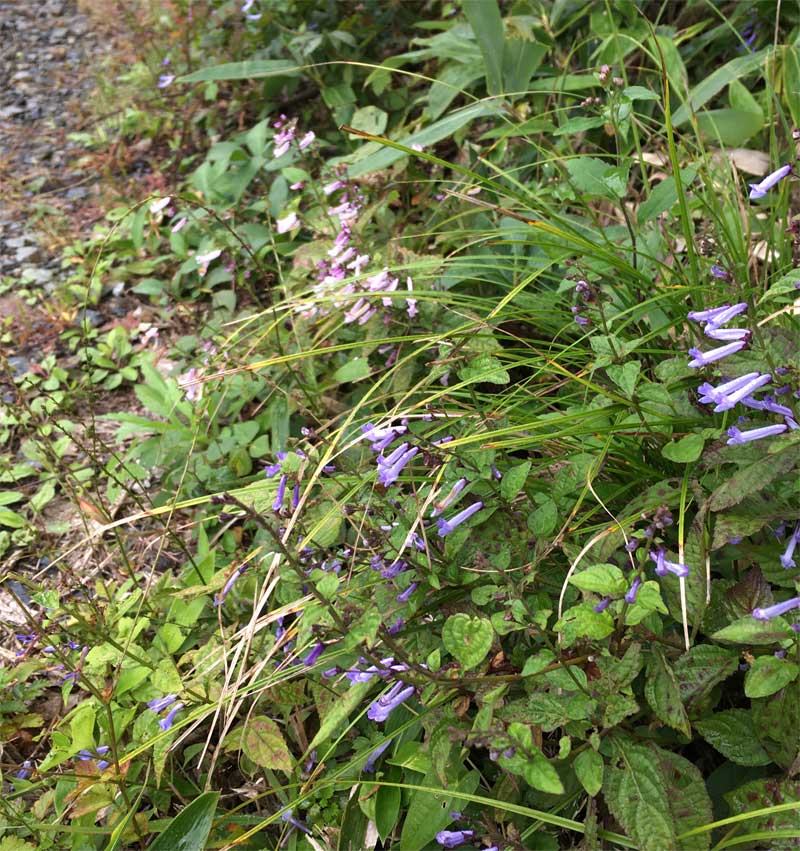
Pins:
x: 514, y: 480
x: 354, y: 370
x: 717, y: 80
x: 428, y: 136
x: 339, y: 712
x: 387, y: 803
x: 640, y: 93
x: 468, y: 639
x: 189, y: 830
x: 733, y: 734
x: 485, y: 368
x: 529, y: 762
x: 730, y: 127
x: 769, y: 674
x: 748, y: 630
x: 589, y: 770
x: 544, y: 520
x: 249, y: 69
x: 602, y: 579
x: 551, y: 711
x: 11, y: 519
x: 487, y: 25
x: 665, y: 195
x: 699, y: 670
x: 625, y: 376
x: 750, y: 480
x: 764, y: 794
x: 429, y: 813
x: 777, y: 719
x: 263, y: 743
x: 685, y: 450
x: 663, y: 694
x: 596, y: 177
x: 369, y: 119
x: 584, y: 622
x: 635, y: 793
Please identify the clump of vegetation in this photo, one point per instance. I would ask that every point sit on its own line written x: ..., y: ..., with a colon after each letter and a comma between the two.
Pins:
x: 448, y: 496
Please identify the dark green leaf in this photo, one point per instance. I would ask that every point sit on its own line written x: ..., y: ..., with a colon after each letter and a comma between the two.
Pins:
x: 748, y: 630
x: 589, y: 769
x: 769, y: 674
x: 663, y: 694
x: 189, y: 830
x: 733, y: 734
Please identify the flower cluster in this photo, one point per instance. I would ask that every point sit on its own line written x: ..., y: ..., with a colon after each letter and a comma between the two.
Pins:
x: 738, y: 390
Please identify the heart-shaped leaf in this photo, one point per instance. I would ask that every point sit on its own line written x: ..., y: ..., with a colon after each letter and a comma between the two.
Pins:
x: 467, y: 638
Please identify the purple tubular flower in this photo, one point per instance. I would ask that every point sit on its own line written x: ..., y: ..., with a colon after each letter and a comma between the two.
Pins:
x: 736, y: 437
x: 727, y: 334
x: 445, y: 527
x: 383, y: 707
x: 717, y: 394
x: 279, y: 497
x: 759, y: 190
x: 727, y: 402
x: 313, y: 655
x: 453, y: 838
x: 786, y: 559
x: 25, y: 771
x: 603, y: 605
x: 719, y: 272
x: 166, y: 723
x: 369, y: 765
x: 159, y: 704
x: 777, y: 610
x: 717, y: 316
x: 164, y: 80
x: 287, y: 817
x: 704, y: 358
x: 102, y: 764
x: 226, y: 588
x: 396, y: 626
x: 296, y: 495
x: 663, y: 567
x: 768, y: 403
x: 330, y: 672
x: 404, y: 597
x: 630, y: 596
x: 439, y: 507
x: 389, y: 471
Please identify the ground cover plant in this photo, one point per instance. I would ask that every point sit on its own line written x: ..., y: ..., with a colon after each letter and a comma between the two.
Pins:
x: 448, y: 497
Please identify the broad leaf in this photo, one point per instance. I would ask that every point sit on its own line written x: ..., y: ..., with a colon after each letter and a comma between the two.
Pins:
x: 189, y: 830
x: 733, y: 734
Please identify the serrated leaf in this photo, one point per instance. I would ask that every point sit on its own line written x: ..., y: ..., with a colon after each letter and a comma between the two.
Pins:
x: 764, y: 794
x: 769, y: 674
x: 514, y: 480
x: 589, y: 770
x: 468, y: 639
x: 601, y: 579
x: 551, y: 711
x: 584, y: 622
x: 485, y: 368
x: 733, y: 734
x: 634, y: 791
x: 777, y: 720
x: 263, y: 743
x: 702, y: 668
x: 748, y: 630
x: 751, y: 479
x: 663, y: 694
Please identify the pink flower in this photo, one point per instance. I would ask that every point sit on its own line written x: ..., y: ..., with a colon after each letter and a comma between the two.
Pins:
x: 306, y: 140
x: 287, y: 223
x: 158, y: 206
